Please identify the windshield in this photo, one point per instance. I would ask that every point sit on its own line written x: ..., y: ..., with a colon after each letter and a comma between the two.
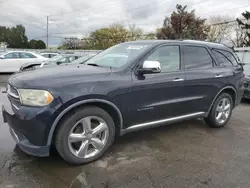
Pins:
x: 54, y: 59
x: 118, y: 55
x: 82, y: 59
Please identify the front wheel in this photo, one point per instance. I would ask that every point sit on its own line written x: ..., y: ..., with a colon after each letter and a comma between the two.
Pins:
x: 85, y: 135
x: 221, y: 111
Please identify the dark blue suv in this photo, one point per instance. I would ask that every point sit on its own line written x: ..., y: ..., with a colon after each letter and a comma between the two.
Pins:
x: 131, y: 86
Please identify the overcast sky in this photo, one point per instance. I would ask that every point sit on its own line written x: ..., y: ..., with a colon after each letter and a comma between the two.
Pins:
x: 79, y: 17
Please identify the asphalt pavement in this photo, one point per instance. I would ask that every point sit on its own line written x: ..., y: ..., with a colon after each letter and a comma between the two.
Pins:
x: 186, y: 154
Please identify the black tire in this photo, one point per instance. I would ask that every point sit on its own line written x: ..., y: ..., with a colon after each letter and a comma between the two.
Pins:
x: 211, y: 119
x: 61, y: 137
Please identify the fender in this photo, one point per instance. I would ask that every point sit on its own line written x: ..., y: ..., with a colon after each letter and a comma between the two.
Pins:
x: 75, y: 105
x: 227, y: 87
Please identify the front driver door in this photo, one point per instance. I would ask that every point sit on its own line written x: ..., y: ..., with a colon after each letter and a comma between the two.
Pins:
x: 158, y: 96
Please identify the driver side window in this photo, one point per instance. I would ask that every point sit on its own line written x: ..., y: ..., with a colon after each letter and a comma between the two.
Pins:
x: 168, y: 56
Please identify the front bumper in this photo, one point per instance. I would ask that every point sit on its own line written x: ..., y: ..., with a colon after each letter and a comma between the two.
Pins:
x: 29, y: 128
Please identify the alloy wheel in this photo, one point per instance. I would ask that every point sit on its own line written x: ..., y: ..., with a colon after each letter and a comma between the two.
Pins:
x: 223, y: 110
x: 88, y: 137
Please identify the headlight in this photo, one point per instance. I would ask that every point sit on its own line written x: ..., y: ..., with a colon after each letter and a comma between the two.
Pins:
x: 32, y: 97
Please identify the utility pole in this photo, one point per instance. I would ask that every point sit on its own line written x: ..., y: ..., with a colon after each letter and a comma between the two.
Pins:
x: 47, y: 32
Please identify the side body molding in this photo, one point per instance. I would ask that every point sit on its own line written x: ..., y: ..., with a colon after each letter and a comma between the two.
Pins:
x: 75, y: 105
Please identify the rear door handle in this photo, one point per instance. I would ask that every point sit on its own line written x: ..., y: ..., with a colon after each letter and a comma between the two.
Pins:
x: 178, y: 79
x: 218, y: 76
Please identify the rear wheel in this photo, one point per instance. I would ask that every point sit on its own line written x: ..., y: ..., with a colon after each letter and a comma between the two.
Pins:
x: 221, y: 111
x: 85, y: 136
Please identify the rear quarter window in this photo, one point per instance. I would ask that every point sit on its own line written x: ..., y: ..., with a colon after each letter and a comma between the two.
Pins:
x: 225, y: 58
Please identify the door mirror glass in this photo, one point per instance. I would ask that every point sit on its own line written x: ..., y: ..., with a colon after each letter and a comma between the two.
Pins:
x: 150, y: 67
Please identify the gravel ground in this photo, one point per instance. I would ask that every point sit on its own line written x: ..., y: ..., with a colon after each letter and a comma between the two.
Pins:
x: 187, y: 154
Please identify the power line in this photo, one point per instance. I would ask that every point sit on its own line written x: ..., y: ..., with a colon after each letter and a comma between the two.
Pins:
x: 131, y: 5
x: 227, y: 9
x: 170, y: 14
x: 150, y: 34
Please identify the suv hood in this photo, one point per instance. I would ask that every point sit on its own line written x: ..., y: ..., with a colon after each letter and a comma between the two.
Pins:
x: 49, y: 76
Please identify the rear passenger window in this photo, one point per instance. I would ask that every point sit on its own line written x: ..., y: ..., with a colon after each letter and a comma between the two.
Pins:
x: 197, y: 58
x: 224, y: 58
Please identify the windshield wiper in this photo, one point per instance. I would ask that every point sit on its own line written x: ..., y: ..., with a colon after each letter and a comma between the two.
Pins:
x: 85, y: 61
x: 93, y: 64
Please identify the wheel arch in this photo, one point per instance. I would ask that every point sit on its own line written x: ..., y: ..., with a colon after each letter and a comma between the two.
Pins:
x: 110, y: 107
x: 227, y: 89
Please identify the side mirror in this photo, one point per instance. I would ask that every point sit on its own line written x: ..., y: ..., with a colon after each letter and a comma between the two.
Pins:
x: 150, y: 67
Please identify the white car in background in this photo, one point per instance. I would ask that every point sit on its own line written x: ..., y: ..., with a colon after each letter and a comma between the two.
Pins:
x: 12, y: 61
x: 49, y: 54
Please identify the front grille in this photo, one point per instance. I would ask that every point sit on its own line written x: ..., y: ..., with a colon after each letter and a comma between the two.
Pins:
x: 13, y: 96
x: 15, y: 102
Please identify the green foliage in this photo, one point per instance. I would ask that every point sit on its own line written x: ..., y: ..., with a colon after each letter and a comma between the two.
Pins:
x: 36, y: 44
x: 70, y: 44
x: 15, y: 37
x: 245, y: 26
x: 106, y: 37
x: 183, y: 25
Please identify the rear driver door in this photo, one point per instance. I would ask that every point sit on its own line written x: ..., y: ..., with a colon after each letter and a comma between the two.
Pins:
x: 203, y: 78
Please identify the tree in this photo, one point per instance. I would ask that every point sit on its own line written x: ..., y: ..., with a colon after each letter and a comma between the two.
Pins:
x: 108, y: 36
x: 105, y: 37
x: 36, y: 44
x: 40, y: 44
x: 183, y: 25
x: 237, y: 35
x: 136, y: 33
x: 219, y: 31
x: 246, y: 27
x: 15, y: 37
x: 70, y: 43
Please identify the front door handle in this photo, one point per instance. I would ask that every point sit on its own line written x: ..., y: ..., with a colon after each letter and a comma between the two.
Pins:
x: 178, y: 79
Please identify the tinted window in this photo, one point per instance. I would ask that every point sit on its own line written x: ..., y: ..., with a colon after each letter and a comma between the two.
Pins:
x: 168, y: 56
x: 12, y: 55
x: 46, y: 55
x: 27, y: 55
x: 224, y: 58
x: 53, y: 55
x: 197, y: 58
x: 72, y: 59
x: 64, y: 60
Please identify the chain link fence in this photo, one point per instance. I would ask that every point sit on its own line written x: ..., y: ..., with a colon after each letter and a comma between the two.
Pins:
x: 78, y: 52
